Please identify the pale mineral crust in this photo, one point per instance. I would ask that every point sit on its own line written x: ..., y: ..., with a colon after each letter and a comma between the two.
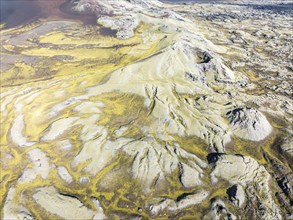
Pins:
x: 158, y: 110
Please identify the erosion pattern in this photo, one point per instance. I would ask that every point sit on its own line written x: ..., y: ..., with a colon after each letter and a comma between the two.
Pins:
x: 141, y: 116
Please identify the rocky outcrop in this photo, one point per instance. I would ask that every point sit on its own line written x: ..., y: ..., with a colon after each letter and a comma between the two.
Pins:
x: 124, y: 26
x: 284, y: 179
x: 286, y: 147
x: 237, y: 195
x: 176, y: 205
x: 121, y: 16
x: 55, y: 203
x: 245, y: 171
x: 219, y: 211
x: 249, y: 123
x: 65, y: 206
